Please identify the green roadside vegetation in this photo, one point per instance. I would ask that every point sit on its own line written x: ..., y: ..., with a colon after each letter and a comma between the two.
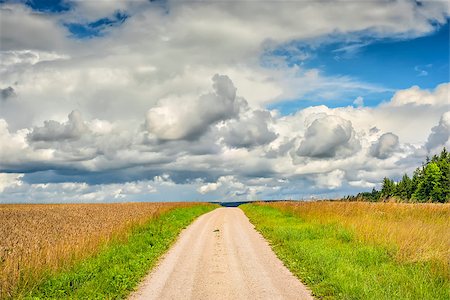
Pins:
x: 335, y: 264
x: 119, y: 267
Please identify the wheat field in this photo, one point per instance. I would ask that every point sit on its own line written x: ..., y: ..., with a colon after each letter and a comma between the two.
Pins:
x: 35, y: 239
x: 417, y: 232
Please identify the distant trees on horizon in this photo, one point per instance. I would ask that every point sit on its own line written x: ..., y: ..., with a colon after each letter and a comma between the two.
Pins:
x: 429, y: 183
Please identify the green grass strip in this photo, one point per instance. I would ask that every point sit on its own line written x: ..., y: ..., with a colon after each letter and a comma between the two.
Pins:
x: 118, y: 268
x: 335, y: 265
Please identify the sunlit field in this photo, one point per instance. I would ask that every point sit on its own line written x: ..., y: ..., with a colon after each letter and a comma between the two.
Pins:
x: 361, y: 250
x: 420, y: 232
x: 38, y: 240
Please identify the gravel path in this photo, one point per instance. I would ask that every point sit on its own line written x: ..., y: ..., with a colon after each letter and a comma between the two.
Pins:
x: 221, y: 256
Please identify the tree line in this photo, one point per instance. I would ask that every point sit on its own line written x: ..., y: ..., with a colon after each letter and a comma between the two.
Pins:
x: 429, y: 183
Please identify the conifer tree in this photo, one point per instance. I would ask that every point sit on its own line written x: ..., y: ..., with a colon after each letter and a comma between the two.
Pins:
x: 430, y: 187
x: 431, y: 182
x: 388, y: 188
x: 403, y: 190
x: 444, y: 166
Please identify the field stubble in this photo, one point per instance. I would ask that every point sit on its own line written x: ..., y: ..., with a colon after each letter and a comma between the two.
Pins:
x: 42, y: 239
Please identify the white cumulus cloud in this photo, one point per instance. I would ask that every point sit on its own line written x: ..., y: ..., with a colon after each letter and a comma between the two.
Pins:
x: 327, y: 137
x: 386, y: 145
x: 185, y: 118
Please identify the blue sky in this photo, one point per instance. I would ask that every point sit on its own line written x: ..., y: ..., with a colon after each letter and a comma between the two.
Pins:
x: 388, y: 63
x: 95, y: 29
x: 82, y: 30
x: 393, y: 63
x: 49, y: 5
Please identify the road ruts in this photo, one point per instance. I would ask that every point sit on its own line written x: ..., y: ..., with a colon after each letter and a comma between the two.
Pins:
x: 221, y: 256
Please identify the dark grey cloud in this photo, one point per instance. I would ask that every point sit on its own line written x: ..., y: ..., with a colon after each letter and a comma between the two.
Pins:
x: 386, y: 145
x: 7, y: 93
x: 58, y: 174
x: 374, y: 130
x: 206, y: 144
x: 327, y: 137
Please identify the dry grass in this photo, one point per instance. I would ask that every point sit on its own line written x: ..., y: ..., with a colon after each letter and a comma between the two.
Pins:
x: 420, y: 232
x: 40, y: 238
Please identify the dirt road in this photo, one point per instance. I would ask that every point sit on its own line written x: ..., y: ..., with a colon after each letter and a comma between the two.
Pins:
x: 221, y: 256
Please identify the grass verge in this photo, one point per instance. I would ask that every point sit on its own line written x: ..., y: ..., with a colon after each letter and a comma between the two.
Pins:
x: 116, y: 270
x: 335, y: 264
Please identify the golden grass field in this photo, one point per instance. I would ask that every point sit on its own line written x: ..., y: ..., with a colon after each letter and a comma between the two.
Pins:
x: 420, y: 232
x: 48, y: 237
